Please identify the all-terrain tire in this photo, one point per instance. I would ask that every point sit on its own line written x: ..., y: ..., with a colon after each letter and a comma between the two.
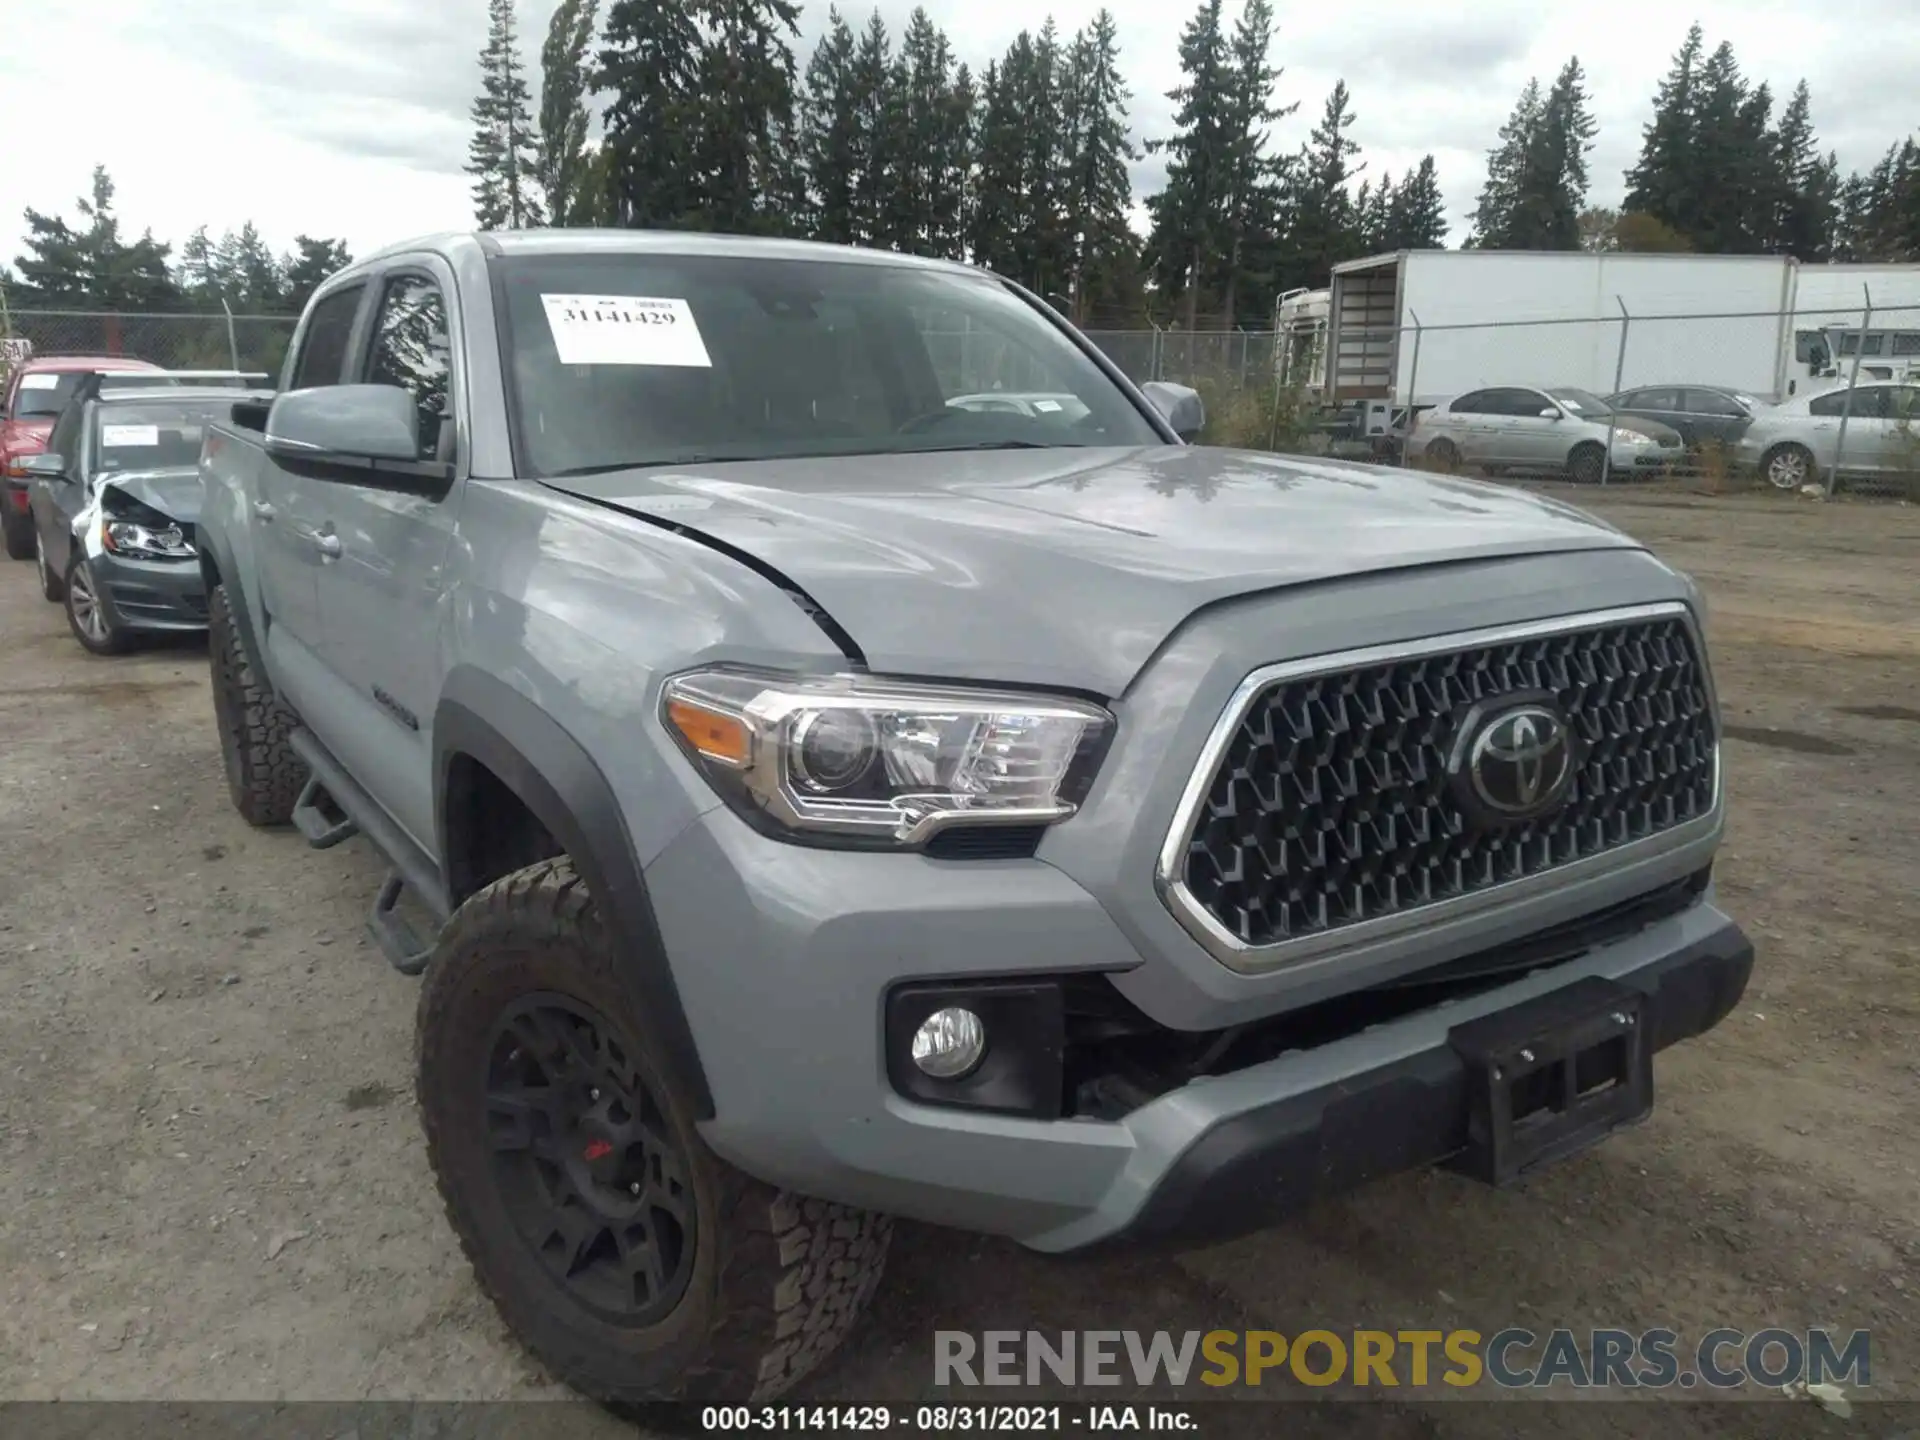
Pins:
x: 264, y: 775
x: 775, y: 1281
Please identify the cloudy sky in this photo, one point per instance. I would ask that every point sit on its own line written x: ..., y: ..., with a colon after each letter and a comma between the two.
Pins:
x: 348, y: 117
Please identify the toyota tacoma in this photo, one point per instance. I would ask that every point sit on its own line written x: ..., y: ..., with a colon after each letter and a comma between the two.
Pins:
x: 811, y: 800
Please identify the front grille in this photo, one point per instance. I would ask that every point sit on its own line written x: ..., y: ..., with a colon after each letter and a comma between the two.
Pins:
x: 1330, y: 806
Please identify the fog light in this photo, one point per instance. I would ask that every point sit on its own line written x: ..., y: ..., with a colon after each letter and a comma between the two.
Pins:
x: 949, y: 1043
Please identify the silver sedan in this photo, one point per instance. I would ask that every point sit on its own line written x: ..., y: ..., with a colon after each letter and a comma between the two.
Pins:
x: 1512, y: 427
x: 1795, y: 443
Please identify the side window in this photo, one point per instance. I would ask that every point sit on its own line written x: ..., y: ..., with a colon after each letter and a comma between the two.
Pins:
x: 1524, y: 403
x: 1666, y: 400
x: 1471, y: 404
x: 411, y: 349
x: 1869, y: 403
x: 1709, y: 402
x: 1906, y: 342
x: 323, y: 349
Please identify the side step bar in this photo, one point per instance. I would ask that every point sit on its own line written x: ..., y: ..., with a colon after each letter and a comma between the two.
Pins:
x: 333, y: 808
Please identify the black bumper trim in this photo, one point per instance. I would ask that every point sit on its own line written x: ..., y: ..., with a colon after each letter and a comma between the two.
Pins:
x: 1276, y: 1161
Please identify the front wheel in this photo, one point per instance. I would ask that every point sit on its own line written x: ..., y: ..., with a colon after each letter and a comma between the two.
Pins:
x: 1586, y: 465
x: 1787, y: 467
x: 87, y: 613
x: 629, y: 1258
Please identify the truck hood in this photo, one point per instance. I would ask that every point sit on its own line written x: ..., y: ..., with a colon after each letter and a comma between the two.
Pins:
x: 174, y: 493
x: 1070, y: 567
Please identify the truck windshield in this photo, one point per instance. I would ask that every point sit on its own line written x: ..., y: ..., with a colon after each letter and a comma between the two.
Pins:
x: 631, y: 360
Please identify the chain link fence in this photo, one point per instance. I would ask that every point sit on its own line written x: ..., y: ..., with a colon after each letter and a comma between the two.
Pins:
x: 172, y: 341
x: 1808, y: 399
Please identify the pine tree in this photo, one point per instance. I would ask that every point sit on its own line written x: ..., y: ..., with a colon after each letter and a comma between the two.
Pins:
x: 1044, y: 245
x: 1800, y: 224
x: 502, y: 156
x: 1325, y: 226
x: 1493, y: 217
x: 1188, y: 222
x: 1255, y: 178
x: 740, y: 122
x: 829, y: 130
x: 1537, y: 175
x: 311, y: 262
x: 1714, y: 220
x: 877, y: 158
x: 254, y: 283
x: 649, y: 61
x: 198, y: 273
x: 1664, y: 181
x: 1417, y: 216
x: 92, y: 268
x: 953, y: 187
x: 1099, y: 192
x: 564, y: 122
x: 998, y: 175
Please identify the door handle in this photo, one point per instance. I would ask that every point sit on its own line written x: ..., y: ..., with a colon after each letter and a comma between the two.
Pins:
x: 328, y: 545
x: 263, y: 512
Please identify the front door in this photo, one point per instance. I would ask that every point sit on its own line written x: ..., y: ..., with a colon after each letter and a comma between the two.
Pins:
x: 382, y: 580
x: 289, y: 511
x: 1526, y: 437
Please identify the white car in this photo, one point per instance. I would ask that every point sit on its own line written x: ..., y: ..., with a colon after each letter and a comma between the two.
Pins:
x: 1514, y: 427
x: 1794, y: 443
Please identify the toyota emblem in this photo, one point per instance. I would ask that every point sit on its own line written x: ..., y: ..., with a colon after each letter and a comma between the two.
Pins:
x: 1513, y: 762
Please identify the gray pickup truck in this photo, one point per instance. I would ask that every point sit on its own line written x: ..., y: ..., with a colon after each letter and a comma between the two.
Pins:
x: 812, y: 801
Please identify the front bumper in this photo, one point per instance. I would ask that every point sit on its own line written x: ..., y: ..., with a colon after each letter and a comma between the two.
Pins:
x: 785, y: 956
x: 151, y: 596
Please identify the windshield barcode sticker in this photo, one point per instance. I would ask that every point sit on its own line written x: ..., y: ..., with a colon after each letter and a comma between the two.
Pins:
x: 40, y: 380
x: 118, y: 436
x: 624, y: 330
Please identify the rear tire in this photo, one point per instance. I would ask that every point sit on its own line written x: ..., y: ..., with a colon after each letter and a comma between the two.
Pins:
x: 546, y: 1106
x: 1443, y: 455
x: 1586, y: 464
x: 264, y: 775
x: 87, y: 615
x: 1788, y: 467
x: 18, y: 524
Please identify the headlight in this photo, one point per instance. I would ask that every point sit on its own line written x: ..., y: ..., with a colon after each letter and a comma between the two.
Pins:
x: 128, y: 537
x: 1634, y: 437
x: 884, y: 762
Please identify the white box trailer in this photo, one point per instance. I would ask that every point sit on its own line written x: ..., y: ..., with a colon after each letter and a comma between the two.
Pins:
x: 1829, y: 308
x: 1501, y: 317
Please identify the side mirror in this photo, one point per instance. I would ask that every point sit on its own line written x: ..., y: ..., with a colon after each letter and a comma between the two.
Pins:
x: 344, y: 423
x: 44, y: 466
x: 1180, y: 405
x: 1549, y: 414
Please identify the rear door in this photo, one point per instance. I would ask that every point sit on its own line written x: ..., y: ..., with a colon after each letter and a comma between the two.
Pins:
x: 382, y: 581
x: 1463, y: 421
x: 1665, y: 404
x: 1713, y: 416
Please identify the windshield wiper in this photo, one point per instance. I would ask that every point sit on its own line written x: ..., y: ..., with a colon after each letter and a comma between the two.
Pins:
x: 577, y: 471
x: 984, y: 445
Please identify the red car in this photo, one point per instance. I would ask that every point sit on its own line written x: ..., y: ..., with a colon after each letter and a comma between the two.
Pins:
x: 36, y: 392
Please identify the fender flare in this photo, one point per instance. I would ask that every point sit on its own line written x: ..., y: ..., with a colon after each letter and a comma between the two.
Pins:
x: 487, y: 720
x: 217, y: 568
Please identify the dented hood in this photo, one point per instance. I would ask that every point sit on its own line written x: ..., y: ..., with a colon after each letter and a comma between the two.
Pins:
x: 1070, y: 567
x: 174, y: 493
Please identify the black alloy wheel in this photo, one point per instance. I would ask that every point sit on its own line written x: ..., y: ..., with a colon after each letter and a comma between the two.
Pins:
x: 588, y: 1171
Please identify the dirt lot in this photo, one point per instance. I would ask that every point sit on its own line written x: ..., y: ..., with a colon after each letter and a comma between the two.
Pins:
x: 212, y: 1185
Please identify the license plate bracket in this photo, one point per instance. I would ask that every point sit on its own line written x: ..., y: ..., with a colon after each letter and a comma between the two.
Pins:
x: 1551, y: 1077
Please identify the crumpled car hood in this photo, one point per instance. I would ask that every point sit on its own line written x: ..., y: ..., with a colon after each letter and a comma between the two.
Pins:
x: 1070, y: 567
x: 174, y: 493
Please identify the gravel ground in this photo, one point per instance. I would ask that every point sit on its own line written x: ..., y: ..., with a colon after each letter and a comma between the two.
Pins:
x: 213, y: 1184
